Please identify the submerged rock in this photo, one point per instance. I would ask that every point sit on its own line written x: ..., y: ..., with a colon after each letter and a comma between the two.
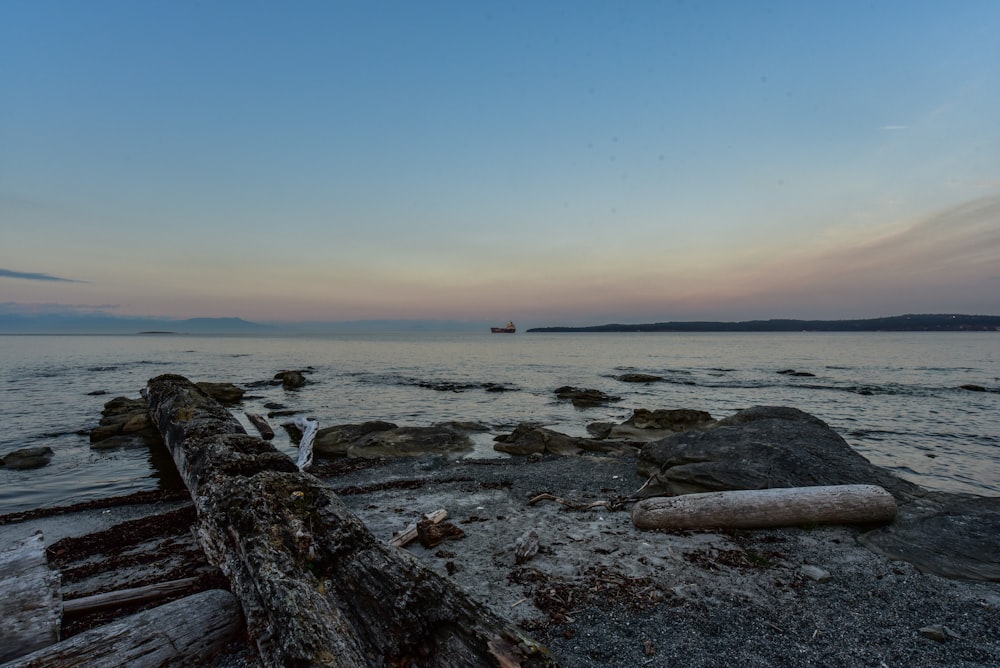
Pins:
x: 639, y: 378
x: 224, y: 393
x: 585, y: 398
x: 291, y: 380
x: 27, y: 458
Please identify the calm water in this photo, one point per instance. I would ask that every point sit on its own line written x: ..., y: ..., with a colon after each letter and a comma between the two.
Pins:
x: 894, y: 397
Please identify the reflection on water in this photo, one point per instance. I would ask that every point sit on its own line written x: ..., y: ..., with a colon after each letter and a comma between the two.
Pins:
x: 894, y: 397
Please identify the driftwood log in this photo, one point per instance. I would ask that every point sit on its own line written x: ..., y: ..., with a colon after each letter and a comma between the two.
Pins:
x: 30, y: 602
x: 263, y: 428
x: 316, y: 586
x: 131, y: 596
x: 763, y: 508
x: 181, y: 633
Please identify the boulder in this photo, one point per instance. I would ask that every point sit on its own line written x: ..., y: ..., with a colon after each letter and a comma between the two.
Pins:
x: 338, y: 439
x: 224, y: 393
x: 385, y: 439
x: 124, y: 421
x: 584, y: 398
x: 953, y: 535
x: 647, y: 425
x: 291, y: 380
x: 27, y: 458
x: 411, y: 442
x: 760, y: 448
x: 529, y: 438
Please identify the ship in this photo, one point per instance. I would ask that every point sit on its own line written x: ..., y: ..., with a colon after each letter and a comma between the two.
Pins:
x: 509, y: 329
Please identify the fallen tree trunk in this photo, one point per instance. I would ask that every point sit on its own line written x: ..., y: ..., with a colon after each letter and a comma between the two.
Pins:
x: 763, y: 508
x: 181, y: 633
x: 316, y: 586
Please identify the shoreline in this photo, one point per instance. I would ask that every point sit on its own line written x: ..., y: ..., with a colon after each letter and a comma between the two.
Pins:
x: 599, y: 592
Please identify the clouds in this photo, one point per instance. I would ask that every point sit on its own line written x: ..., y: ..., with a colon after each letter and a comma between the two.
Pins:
x: 29, y: 276
x: 48, y: 308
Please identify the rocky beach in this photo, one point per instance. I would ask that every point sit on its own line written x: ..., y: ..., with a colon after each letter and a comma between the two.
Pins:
x: 545, y: 540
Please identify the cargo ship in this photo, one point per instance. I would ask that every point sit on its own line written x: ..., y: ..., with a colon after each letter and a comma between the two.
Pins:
x: 509, y: 329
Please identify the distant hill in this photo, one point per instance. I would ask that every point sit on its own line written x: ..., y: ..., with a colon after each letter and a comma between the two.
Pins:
x: 101, y: 323
x: 899, y: 323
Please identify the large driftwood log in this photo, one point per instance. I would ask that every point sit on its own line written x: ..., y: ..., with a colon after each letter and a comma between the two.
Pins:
x: 762, y: 508
x: 181, y: 633
x: 317, y: 587
x: 131, y: 596
x: 30, y: 604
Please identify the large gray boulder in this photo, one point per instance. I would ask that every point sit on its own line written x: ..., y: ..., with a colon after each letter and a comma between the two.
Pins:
x: 760, y: 448
x: 954, y: 535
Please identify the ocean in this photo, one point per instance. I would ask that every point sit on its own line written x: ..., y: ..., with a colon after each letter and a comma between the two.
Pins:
x: 897, y: 398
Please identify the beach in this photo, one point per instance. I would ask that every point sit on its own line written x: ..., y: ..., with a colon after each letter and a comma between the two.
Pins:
x: 601, y: 593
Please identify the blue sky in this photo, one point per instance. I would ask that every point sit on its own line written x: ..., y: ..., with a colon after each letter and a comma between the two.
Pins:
x: 551, y: 163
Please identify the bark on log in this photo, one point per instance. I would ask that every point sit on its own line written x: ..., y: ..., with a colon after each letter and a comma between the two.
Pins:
x: 30, y: 606
x: 316, y: 586
x: 763, y: 508
x: 181, y: 633
x: 130, y: 596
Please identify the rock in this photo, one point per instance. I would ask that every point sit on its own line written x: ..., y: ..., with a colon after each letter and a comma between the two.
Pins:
x: 584, y: 398
x: 647, y: 425
x: 411, y: 442
x: 337, y: 440
x: 793, y: 372
x: 760, y: 448
x: 973, y: 388
x: 385, y: 439
x: 224, y: 393
x: 27, y: 458
x: 639, y: 378
x: 291, y: 380
x: 954, y: 535
x: 124, y: 421
x: 529, y: 438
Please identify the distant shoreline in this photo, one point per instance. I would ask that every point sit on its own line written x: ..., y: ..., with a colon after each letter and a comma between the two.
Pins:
x: 900, y: 323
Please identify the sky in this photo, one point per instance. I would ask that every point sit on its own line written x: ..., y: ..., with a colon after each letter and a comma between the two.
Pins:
x: 554, y: 163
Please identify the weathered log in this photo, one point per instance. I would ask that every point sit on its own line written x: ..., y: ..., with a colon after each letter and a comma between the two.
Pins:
x: 316, y: 586
x: 131, y: 596
x: 260, y: 422
x: 181, y: 633
x: 30, y: 606
x: 762, y: 508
